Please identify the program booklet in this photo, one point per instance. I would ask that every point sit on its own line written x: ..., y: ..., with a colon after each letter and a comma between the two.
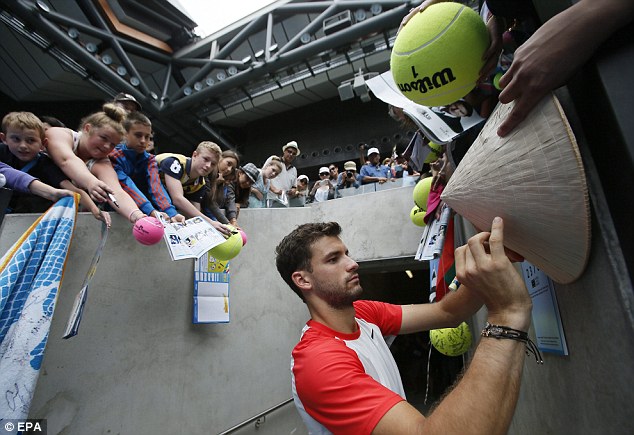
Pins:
x: 191, y: 239
x: 441, y: 124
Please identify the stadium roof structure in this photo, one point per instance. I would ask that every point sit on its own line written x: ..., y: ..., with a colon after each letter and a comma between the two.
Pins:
x: 287, y: 55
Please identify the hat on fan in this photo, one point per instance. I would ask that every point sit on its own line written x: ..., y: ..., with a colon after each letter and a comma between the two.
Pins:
x: 122, y: 96
x: 251, y: 171
x: 373, y: 151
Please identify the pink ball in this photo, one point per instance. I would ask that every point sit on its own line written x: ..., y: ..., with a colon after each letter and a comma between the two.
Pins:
x: 148, y: 230
x: 244, y: 237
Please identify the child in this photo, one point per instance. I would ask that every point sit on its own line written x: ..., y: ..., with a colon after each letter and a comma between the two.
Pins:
x: 184, y: 179
x: 301, y: 189
x: 219, y: 202
x: 24, y: 135
x: 262, y: 184
x: 83, y: 156
x: 138, y: 171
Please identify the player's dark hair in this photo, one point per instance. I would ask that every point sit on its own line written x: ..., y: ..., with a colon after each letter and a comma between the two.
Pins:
x: 294, y: 251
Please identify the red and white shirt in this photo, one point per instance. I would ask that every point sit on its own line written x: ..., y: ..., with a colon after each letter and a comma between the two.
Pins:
x: 345, y: 383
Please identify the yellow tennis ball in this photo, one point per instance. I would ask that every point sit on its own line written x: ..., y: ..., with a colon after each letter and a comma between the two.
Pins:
x: 433, y: 156
x: 421, y: 192
x: 417, y: 215
x: 496, y: 80
x: 229, y: 248
x: 451, y: 341
x: 437, y: 55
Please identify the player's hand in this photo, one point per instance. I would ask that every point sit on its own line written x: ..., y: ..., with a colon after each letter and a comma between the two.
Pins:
x: 483, y: 266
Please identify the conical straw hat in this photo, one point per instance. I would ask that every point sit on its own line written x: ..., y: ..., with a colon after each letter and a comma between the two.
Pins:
x: 534, y: 180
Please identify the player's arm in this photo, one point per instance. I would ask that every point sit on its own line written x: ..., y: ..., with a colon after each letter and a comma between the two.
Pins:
x: 453, y: 309
x: 484, y: 400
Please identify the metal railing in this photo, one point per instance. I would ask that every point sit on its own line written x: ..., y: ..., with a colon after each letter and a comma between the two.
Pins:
x: 258, y: 419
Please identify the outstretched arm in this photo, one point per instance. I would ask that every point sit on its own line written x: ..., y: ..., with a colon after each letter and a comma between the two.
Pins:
x: 47, y: 192
x: 556, y: 50
x: 60, y: 148
x: 86, y: 201
x: 484, y: 400
x: 125, y: 206
x: 175, y: 190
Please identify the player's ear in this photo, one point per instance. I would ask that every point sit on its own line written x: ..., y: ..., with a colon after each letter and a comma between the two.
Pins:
x: 302, y: 280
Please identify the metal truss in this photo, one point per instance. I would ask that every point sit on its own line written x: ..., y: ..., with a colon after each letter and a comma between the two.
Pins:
x: 179, y: 89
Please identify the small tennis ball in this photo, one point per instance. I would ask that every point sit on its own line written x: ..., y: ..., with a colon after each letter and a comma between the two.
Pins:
x: 496, y: 80
x: 417, y: 215
x: 451, y: 341
x: 437, y: 55
x: 229, y: 248
x: 421, y: 192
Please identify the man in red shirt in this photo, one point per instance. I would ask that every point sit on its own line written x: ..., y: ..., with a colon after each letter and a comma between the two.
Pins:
x: 344, y: 378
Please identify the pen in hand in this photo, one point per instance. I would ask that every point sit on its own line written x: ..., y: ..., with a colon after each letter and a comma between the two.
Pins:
x: 113, y: 199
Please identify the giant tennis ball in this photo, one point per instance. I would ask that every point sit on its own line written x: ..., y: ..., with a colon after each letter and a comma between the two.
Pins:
x: 421, y: 192
x: 417, y: 215
x: 229, y: 248
x: 148, y: 230
x: 437, y: 55
x: 451, y: 341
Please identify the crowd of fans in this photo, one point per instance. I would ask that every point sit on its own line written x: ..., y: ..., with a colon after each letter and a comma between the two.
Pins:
x: 110, y: 162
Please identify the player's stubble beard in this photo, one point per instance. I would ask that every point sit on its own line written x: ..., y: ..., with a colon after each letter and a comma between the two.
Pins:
x: 338, y: 299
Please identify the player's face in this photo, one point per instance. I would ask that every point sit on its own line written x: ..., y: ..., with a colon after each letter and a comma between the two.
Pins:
x: 138, y: 137
x: 204, y: 162
x: 101, y: 141
x: 25, y: 144
x: 334, y: 274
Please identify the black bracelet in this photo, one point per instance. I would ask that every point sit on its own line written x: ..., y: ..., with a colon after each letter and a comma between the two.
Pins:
x: 499, y: 332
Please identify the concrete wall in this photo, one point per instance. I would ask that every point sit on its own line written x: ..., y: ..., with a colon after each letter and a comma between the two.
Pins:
x: 140, y: 366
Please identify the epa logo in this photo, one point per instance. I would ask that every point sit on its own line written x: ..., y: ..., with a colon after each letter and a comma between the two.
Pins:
x: 30, y: 426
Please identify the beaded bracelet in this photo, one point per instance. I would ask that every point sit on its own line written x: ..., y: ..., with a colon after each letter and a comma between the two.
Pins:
x: 499, y: 332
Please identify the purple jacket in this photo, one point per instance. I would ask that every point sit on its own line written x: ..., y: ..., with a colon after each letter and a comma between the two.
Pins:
x: 16, y: 180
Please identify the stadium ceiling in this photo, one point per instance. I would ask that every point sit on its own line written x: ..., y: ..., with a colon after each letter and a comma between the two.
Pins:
x: 288, y: 55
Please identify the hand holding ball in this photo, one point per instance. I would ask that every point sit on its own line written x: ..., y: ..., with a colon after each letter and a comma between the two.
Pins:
x: 437, y: 55
x: 230, y: 247
x: 148, y: 230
